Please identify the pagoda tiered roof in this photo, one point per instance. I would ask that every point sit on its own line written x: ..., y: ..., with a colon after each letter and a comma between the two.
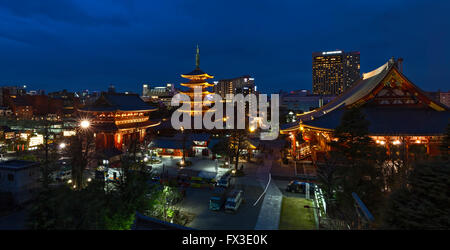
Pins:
x: 197, y: 73
x: 197, y: 81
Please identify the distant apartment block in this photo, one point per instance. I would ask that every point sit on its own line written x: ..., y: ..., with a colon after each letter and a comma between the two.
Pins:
x: 240, y: 85
x: 333, y: 72
x: 158, y: 94
x: 303, y: 100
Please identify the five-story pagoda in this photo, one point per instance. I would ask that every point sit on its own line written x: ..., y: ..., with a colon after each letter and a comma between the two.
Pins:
x: 197, y: 89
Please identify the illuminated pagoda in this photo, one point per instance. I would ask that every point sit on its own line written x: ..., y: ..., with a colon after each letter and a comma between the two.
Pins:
x: 117, y: 119
x: 399, y: 113
x: 197, y: 81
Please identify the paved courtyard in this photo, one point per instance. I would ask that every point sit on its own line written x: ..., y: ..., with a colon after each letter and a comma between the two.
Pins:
x: 197, y: 202
x: 197, y: 199
x: 249, y: 215
x: 169, y: 166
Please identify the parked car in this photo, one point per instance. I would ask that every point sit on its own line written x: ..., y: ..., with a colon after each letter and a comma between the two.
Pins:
x: 217, y: 199
x: 225, y: 180
x: 234, y: 200
x: 64, y: 174
x: 296, y: 186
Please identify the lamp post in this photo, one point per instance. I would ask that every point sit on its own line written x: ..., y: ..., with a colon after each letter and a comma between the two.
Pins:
x: 183, y: 159
x: 82, y: 129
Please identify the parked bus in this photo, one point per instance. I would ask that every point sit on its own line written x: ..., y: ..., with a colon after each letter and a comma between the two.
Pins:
x: 234, y: 200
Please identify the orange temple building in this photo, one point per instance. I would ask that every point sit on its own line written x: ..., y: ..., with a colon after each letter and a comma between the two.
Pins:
x: 117, y: 119
x: 399, y: 113
x: 197, y: 81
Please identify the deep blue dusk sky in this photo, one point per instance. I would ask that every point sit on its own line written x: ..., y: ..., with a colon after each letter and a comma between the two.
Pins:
x: 90, y: 44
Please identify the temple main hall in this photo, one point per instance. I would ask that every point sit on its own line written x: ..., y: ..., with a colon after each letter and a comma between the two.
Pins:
x: 399, y: 113
x: 117, y: 119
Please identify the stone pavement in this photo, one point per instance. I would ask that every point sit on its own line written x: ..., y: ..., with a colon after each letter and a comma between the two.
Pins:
x: 198, y: 164
x: 281, y: 171
x: 269, y: 215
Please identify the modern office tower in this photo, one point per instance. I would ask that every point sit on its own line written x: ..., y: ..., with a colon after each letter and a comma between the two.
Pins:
x: 333, y: 72
x: 243, y: 84
x: 240, y: 85
x: 145, y: 88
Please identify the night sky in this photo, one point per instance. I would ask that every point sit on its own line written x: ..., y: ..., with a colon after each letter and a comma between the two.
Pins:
x: 90, y: 44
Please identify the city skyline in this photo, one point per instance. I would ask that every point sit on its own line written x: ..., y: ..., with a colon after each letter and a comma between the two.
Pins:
x: 239, y: 120
x: 45, y: 49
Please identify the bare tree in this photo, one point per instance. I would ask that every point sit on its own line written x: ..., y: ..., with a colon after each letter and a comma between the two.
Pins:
x: 81, y: 150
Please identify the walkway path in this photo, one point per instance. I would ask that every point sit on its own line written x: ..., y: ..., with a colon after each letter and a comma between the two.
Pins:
x: 269, y: 214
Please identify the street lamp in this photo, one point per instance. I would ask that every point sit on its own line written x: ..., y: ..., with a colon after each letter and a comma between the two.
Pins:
x: 183, y: 159
x: 62, y: 145
x: 85, y: 124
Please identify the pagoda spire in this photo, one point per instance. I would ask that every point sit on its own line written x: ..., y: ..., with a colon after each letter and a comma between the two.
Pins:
x: 197, y: 59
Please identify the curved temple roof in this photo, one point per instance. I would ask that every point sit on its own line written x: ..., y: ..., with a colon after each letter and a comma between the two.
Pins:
x: 384, y: 120
x: 110, y: 102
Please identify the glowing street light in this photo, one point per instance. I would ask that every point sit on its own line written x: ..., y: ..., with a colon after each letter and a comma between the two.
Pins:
x: 85, y: 124
x: 62, y: 145
x: 252, y: 129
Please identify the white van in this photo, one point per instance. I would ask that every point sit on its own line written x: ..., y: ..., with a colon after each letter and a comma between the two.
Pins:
x: 234, y: 200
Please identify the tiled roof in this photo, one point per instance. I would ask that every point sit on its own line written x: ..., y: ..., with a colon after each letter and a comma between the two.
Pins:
x: 119, y: 102
x: 392, y: 120
x: 18, y: 164
x: 199, y: 137
x: 195, y: 72
x: 170, y: 143
x: 389, y: 120
x: 360, y: 89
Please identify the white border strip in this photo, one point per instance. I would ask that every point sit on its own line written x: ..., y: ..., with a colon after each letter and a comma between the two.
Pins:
x: 256, y: 202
